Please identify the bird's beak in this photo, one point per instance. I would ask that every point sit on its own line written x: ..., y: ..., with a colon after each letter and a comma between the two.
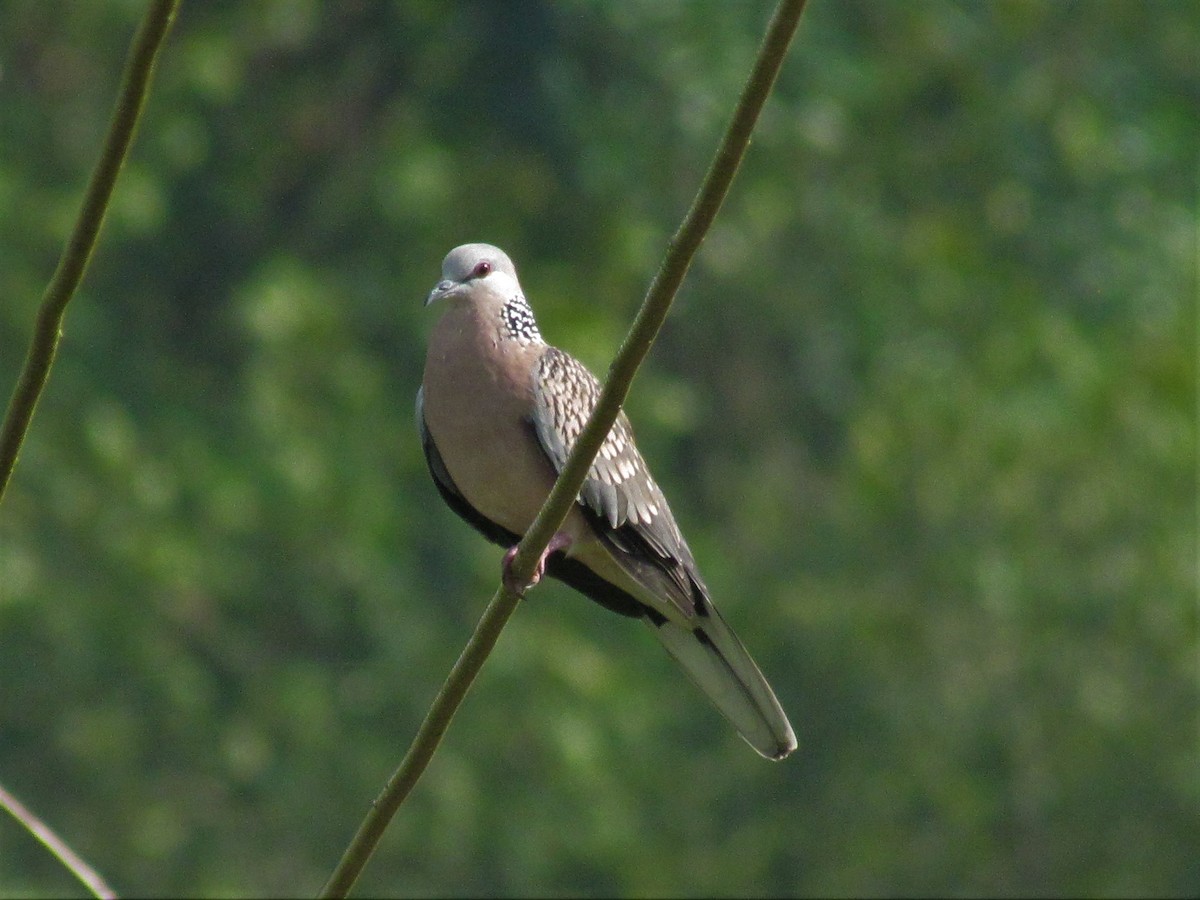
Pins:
x: 439, y: 291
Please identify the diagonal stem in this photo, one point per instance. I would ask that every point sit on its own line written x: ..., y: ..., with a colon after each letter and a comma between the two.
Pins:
x: 135, y: 85
x: 633, y: 350
x: 90, y: 878
x: 665, y: 285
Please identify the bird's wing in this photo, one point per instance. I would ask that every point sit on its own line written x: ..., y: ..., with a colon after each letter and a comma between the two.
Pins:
x: 625, y: 506
x: 629, y: 514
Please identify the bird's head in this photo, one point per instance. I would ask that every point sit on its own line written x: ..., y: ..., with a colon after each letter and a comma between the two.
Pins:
x: 471, y: 268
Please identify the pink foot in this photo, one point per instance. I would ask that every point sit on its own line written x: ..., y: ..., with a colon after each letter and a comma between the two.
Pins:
x: 560, y: 541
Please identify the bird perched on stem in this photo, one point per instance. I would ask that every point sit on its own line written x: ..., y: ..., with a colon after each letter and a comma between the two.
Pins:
x: 498, y: 411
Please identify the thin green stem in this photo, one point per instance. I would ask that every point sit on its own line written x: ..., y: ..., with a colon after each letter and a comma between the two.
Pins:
x: 426, y: 742
x: 633, y: 350
x: 665, y: 285
x: 75, y: 865
x: 139, y: 69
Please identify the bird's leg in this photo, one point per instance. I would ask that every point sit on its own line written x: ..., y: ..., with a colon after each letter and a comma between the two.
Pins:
x: 560, y: 541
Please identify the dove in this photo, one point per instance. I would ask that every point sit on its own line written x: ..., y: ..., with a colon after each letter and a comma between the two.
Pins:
x: 498, y: 412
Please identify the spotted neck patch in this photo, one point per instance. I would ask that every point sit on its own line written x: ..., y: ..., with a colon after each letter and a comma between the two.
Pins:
x: 518, y: 322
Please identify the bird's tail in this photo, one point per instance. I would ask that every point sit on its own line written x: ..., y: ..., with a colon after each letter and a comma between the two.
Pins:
x: 717, y: 661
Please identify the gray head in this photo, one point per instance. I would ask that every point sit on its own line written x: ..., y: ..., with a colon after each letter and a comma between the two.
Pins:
x: 473, y: 266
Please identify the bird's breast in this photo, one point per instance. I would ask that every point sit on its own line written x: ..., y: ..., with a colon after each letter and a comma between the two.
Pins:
x: 478, y: 400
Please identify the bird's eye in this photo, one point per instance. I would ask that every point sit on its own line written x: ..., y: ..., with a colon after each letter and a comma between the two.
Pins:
x: 481, y: 269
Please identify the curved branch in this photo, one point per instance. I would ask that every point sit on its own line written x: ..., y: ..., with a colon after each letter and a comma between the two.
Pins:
x: 139, y: 68
x: 633, y: 350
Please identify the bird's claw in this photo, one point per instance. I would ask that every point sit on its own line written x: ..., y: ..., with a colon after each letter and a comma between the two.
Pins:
x: 560, y: 541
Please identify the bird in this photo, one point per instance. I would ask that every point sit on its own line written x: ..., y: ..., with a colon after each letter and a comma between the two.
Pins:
x: 498, y: 411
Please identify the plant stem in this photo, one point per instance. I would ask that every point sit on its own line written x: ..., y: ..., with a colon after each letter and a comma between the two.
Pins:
x: 75, y: 865
x: 135, y: 85
x: 633, y: 350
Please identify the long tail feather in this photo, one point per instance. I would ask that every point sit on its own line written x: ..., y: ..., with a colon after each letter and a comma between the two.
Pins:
x: 717, y: 661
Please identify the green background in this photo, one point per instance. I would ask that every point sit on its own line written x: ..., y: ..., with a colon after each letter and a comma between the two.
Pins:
x: 925, y: 409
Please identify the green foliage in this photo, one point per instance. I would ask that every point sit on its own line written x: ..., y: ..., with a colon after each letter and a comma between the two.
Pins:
x: 926, y: 412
